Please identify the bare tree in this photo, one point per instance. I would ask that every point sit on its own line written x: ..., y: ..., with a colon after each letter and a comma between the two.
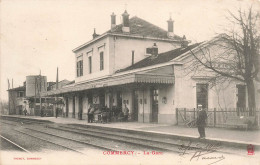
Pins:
x: 237, y: 57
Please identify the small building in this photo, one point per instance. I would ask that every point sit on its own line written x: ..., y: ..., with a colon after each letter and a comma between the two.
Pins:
x: 28, y: 96
x: 16, y: 100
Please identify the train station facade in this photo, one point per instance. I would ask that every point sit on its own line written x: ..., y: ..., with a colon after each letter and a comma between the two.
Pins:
x: 141, y: 66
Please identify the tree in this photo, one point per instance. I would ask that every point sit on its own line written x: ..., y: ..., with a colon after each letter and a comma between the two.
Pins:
x: 238, y: 55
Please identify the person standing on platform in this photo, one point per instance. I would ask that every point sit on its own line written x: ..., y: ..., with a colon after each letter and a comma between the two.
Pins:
x: 25, y: 112
x: 126, y: 113
x: 91, y: 113
x: 201, y: 121
x: 57, y: 112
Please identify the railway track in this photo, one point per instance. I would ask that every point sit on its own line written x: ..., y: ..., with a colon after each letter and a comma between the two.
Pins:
x: 51, y: 136
x: 131, y: 140
x: 74, y: 140
x: 142, y: 141
x: 60, y: 145
x: 13, y: 144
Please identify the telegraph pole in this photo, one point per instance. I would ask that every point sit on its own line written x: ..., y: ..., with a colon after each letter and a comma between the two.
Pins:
x: 8, y: 96
x: 57, y: 80
x: 40, y: 94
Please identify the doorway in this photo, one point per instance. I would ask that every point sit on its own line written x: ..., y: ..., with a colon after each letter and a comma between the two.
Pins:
x: 119, y: 99
x: 67, y: 107
x: 154, y: 100
x: 241, y: 97
x: 80, y: 107
x: 102, y: 99
x: 202, y: 95
x: 135, y: 106
x: 73, y: 111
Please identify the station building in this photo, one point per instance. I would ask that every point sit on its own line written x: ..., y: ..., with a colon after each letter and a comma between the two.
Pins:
x: 142, y: 66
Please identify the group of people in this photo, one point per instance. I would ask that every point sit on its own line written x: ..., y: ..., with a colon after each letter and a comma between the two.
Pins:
x: 122, y: 115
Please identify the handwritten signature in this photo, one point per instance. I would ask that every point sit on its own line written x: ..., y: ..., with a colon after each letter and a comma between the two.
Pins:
x: 200, y: 151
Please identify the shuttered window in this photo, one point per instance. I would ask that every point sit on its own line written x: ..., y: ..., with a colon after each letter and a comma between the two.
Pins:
x: 79, y: 66
x: 101, y: 60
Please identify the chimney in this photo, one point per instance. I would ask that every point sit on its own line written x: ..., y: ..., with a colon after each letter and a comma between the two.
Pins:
x: 125, y: 27
x: 184, y: 42
x: 113, y: 20
x: 154, y: 50
x: 170, y: 28
x: 95, y: 34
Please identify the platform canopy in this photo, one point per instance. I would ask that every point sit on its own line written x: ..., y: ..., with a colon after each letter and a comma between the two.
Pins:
x: 148, y: 78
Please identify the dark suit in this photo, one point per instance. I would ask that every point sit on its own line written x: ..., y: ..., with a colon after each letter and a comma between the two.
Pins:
x: 201, y: 122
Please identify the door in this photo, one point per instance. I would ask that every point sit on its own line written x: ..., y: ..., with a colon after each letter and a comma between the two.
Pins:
x: 241, y: 97
x: 67, y: 107
x: 202, y: 95
x: 80, y: 107
x: 135, y: 106
x: 102, y: 99
x: 154, y: 101
x: 73, y: 112
x: 119, y: 100
x: 20, y: 108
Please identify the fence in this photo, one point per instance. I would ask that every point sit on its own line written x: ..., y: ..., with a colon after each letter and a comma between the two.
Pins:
x: 216, y: 117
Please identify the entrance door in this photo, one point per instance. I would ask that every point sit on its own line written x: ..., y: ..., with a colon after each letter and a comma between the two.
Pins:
x: 135, y: 106
x: 154, y: 99
x: 241, y: 97
x: 119, y: 99
x: 80, y: 107
x: 102, y: 99
x: 20, y: 108
x: 202, y: 95
x: 73, y: 113
x: 67, y: 107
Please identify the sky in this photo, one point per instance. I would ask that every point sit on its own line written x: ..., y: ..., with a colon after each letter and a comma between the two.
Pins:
x: 39, y: 35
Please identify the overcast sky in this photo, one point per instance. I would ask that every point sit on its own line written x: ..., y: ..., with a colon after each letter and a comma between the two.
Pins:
x: 40, y: 34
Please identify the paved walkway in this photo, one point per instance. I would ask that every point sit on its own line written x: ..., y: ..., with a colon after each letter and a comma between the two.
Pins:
x: 211, y: 133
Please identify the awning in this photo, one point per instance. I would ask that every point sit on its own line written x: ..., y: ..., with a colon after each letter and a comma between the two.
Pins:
x: 115, y: 80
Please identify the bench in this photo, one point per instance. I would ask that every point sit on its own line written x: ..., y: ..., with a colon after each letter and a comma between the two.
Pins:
x: 239, y: 121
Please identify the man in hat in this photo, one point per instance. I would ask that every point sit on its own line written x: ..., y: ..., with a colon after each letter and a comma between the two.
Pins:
x: 201, y: 121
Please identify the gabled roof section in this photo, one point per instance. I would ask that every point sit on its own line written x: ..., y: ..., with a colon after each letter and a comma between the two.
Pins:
x: 161, y: 58
x: 138, y: 28
x: 142, y: 28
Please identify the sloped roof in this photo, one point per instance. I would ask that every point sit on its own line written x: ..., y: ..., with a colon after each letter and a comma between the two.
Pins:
x: 140, y: 27
x: 22, y: 88
x: 161, y: 58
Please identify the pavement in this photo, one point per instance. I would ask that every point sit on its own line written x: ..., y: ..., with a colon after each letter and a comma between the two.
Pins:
x: 212, y: 134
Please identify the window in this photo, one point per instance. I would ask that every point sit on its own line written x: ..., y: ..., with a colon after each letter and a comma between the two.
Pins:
x: 133, y: 57
x: 90, y: 64
x: 80, y: 66
x: 155, y: 95
x: 20, y: 94
x: 101, y: 60
x: 202, y: 95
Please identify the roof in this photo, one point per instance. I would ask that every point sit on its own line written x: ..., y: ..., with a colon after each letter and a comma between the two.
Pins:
x: 22, y: 88
x: 140, y: 27
x: 72, y: 82
x: 161, y: 58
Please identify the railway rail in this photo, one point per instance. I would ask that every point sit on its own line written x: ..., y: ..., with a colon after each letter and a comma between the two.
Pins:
x: 130, y: 139
x: 13, y: 144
